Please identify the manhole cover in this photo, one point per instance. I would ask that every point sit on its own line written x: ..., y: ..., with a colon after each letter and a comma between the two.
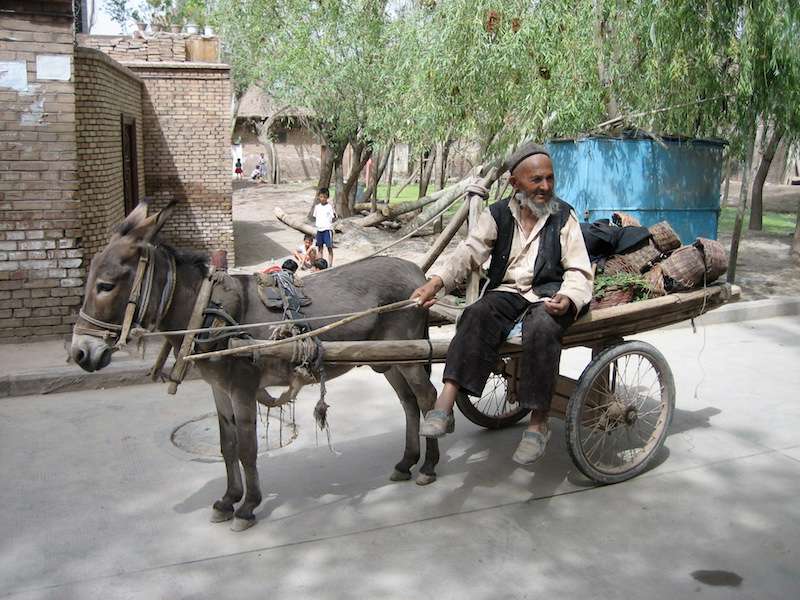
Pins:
x: 201, y: 435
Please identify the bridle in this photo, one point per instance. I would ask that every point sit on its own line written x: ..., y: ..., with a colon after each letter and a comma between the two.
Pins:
x: 138, y: 303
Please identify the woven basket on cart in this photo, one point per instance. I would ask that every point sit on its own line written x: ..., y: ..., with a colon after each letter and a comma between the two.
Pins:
x: 664, y: 237
x: 624, y: 220
x: 684, y: 269
x: 617, y: 264
x: 644, y: 257
x: 613, y: 297
x: 655, y: 279
x: 715, y: 257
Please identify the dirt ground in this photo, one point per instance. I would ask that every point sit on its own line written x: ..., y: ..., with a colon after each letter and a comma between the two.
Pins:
x: 764, y: 269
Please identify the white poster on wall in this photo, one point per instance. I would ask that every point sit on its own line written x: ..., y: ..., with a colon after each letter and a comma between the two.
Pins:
x: 53, y: 67
x: 14, y: 75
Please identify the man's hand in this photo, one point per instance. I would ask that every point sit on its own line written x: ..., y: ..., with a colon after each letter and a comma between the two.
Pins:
x: 426, y: 294
x: 557, y: 305
x: 478, y: 190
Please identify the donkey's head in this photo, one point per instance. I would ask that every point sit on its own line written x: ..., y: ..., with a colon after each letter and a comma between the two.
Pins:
x: 116, y: 276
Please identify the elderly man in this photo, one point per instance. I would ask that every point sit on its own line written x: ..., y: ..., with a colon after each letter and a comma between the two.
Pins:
x: 539, y: 272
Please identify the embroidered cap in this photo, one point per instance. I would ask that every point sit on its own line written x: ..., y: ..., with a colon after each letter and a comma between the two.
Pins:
x: 524, y: 151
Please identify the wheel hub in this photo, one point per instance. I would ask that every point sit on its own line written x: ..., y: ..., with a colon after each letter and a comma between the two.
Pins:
x: 631, y: 415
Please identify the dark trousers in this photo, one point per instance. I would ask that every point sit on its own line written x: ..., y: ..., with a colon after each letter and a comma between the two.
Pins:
x: 484, y: 326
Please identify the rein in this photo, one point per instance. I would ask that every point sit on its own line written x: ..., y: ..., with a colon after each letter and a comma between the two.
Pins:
x: 138, y: 303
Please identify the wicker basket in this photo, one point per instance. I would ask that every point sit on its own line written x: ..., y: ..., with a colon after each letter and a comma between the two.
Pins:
x: 624, y: 220
x: 715, y: 257
x: 617, y: 264
x: 644, y: 257
x: 664, y: 237
x: 613, y: 297
x: 655, y: 279
x: 684, y: 269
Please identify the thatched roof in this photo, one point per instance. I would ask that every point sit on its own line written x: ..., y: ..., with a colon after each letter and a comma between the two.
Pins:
x: 258, y: 104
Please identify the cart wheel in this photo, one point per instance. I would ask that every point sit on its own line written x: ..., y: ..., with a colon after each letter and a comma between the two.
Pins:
x: 617, y: 417
x: 497, y: 407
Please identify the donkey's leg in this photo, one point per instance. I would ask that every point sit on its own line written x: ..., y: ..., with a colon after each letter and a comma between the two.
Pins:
x: 223, y: 509
x: 418, y: 379
x: 402, y: 470
x: 244, y: 409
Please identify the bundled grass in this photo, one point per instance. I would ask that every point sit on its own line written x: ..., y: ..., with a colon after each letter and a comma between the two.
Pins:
x: 604, y: 284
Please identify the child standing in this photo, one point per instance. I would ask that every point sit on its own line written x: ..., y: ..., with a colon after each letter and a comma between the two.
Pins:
x: 238, y: 169
x: 324, y: 215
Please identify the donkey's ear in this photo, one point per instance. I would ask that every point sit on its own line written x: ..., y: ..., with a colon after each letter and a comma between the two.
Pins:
x: 135, y: 218
x: 149, y: 227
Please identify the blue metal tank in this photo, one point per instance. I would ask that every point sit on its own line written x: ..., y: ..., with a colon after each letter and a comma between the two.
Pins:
x: 677, y: 181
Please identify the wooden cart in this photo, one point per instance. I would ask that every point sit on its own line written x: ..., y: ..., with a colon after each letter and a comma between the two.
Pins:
x: 617, y: 412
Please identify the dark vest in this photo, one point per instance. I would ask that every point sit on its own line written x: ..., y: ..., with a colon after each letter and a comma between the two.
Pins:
x: 548, y: 274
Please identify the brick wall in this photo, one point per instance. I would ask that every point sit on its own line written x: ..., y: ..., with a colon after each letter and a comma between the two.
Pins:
x: 41, y: 261
x: 105, y: 91
x: 186, y: 116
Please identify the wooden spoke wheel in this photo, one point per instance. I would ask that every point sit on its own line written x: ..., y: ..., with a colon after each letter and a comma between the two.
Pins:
x: 497, y: 406
x: 617, y: 417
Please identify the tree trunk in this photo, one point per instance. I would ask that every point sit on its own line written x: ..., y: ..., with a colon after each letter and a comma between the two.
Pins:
x: 600, y: 36
x: 756, y: 202
x: 737, y: 226
x: 390, y: 177
x: 445, y: 154
x: 381, y: 161
x: 426, y: 170
x: 338, y: 177
x: 794, y: 253
x: 328, y: 163
x: 325, y: 168
x: 360, y: 157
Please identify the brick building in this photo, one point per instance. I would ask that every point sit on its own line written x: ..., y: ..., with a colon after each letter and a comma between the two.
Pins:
x: 88, y: 127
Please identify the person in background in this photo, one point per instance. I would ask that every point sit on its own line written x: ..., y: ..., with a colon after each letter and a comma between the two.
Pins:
x: 238, y: 169
x: 306, y: 253
x: 320, y: 264
x: 324, y: 216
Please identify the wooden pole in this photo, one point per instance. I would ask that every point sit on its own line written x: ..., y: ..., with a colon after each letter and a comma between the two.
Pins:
x: 455, y: 223
x: 195, y: 321
x: 315, y: 332
x: 598, y: 325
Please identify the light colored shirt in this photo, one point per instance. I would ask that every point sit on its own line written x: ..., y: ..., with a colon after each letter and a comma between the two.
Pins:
x: 474, y: 251
x: 323, y: 216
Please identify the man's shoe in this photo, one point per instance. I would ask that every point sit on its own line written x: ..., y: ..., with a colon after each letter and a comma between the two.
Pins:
x: 437, y: 423
x: 531, y: 447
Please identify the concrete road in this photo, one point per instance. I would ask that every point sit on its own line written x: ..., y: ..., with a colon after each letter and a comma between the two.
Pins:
x: 97, y: 502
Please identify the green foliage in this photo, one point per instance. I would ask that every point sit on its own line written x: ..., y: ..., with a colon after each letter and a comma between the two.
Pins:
x: 498, y: 71
x: 604, y: 284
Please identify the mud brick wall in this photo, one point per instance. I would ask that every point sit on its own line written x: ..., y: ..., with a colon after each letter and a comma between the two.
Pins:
x: 187, y: 115
x: 104, y: 91
x: 41, y: 260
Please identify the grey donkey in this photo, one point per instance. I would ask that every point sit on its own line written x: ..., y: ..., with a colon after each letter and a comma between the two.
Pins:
x: 236, y: 382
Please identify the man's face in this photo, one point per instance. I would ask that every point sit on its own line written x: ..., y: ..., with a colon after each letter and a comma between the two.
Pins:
x: 534, y: 177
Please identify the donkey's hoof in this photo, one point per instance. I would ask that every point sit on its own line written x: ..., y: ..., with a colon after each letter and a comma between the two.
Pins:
x: 399, y: 476
x: 425, y: 479
x: 220, y: 516
x: 240, y: 524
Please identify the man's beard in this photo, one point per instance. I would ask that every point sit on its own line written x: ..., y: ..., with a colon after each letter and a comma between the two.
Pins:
x: 540, y: 211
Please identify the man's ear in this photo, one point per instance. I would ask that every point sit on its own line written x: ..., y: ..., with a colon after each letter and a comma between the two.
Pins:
x: 149, y: 227
x: 512, y: 181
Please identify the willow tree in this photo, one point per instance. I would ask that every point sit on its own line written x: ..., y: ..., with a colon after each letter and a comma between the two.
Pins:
x: 316, y: 55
